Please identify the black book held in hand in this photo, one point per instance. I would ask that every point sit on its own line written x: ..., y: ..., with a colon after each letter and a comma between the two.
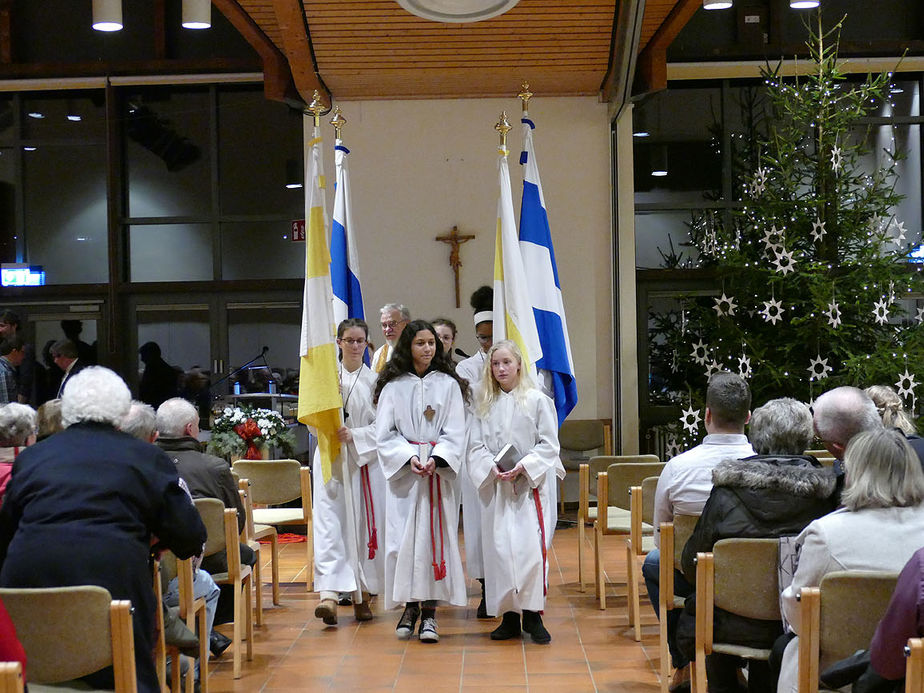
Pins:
x: 507, y: 458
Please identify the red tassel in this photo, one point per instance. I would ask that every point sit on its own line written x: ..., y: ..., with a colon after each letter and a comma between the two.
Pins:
x: 373, y: 543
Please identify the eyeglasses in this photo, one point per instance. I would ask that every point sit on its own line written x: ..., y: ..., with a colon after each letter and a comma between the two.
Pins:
x: 484, y: 338
x: 352, y: 342
x: 392, y: 324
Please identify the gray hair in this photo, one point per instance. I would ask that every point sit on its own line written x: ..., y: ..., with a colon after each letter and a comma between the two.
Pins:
x: 95, y: 394
x: 174, y: 415
x: 140, y: 421
x: 17, y: 423
x: 400, y: 307
x: 883, y: 471
x: 65, y: 348
x: 781, y: 427
x: 889, y: 406
x: 842, y: 413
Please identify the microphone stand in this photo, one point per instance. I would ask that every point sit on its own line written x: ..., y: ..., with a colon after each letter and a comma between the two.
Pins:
x: 261, y: 355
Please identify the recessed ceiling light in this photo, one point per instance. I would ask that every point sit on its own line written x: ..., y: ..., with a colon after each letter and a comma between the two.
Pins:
x: 36, y: 115
x: 457, y: 11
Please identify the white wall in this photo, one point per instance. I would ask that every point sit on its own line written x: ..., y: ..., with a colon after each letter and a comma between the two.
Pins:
x: 418, y: 168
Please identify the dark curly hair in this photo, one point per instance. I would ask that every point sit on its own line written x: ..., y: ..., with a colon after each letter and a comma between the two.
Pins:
x: 402, y: 362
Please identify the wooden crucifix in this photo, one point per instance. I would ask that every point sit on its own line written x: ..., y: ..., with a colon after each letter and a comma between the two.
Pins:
x: 455, y: 240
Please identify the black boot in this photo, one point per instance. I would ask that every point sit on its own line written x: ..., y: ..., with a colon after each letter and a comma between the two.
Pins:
x: 482, y: 605
x: 509, y: 627
x: 532, y: 624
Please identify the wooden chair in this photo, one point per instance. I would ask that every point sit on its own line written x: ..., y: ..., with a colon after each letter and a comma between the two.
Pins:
x: 641, y: 510
x: 914, y: 666
x: 69, y: 632
x: 192, y: 611
x: 587, y: 513
x: 221, y: 525
x: 613, y: 512
x: 273, y: 482
x: 577, y: 437
x: 250, y: 537
x: 11, y: 677
x: 674, y: 536
x: 740, y: 576
x: 839, y: 617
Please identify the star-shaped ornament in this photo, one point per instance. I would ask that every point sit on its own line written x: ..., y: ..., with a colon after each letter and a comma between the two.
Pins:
x: 819, y: 368
x: 920, y: 316
x: 673, y: 447
x: 906, y: 384
x: 713, y: 367
x: 783, y: 262
x: 773, y: 239
x: 725, y: 305
x: 700, y: 353
x: 900, y: 238
x: 759, y: 183
x: 875, y: 223
x: 834, y: 314
x: 744, y: 366
x: 836, y: 158
x: 881, y: 311
x: 690, y: 419
x: 773, y: 311
x: 818, y: 229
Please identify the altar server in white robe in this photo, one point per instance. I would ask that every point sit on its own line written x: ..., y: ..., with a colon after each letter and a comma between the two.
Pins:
x: 420, y: 431
x: 348, y: 526
x: 516, y: 524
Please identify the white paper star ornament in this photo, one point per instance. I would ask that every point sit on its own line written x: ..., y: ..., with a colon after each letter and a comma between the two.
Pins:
x: 700, y: 353
x: 690, y: 419
x: 784, y: 262
x: 818, y: 229
x: 834, y: 314
x: 819, y: 368
x: 881, y: 311
x: 773, y: 311
x: 725, y: 305
x: 906, y: 384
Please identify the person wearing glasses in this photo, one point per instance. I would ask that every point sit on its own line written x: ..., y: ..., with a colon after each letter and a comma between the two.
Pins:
x: 394, y: 317
x: 349, y: 509
x: 472, y: 369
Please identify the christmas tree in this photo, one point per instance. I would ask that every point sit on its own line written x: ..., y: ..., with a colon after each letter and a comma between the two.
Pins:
x: 812, y: 272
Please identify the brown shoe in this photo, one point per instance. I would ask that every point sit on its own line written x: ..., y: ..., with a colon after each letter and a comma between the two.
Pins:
x: 363, y: 610
x: 326, y: 610
x: 681, y: 680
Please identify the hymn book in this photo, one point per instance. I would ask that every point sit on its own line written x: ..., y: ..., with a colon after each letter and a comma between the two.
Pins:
x: 507, y: 458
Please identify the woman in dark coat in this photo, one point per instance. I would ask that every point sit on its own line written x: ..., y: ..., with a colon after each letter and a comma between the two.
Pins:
x: 775, y: 493
x: 82, y: 506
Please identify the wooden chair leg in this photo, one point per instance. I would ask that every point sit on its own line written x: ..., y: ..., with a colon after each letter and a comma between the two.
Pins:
x: 248, y: 610
x: 583, y: 477
x: 274, y: 544
x: 203, y: 650
x: 598, y: 564
x: 239, y: 617
x: 258, y: 586
x: 633, y: 592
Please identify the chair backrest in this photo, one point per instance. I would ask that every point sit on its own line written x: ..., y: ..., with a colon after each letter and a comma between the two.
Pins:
x: 11, y: 677
x: 243, y: 486
x: 649, y: 486
x: 623, y: 475
x: 69, y: 632
x: 747, y: 577
x: 212, y: 512
x: 852, y: 603
x: 272, y: 482
x: 581, y: 435
x: 683, y: 530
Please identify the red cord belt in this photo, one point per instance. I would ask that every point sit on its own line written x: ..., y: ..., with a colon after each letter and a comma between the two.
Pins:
x: 439, y: 568
x: 371, y: 531
x: 545, y: 584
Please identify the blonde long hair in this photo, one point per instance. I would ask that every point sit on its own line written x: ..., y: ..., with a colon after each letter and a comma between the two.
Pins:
x: 489, y: 389
x: 889, y: 406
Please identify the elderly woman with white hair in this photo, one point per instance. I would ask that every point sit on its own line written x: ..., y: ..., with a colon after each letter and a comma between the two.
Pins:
x: 82, y: 506
x: 879, y: 528
x: 17, y: 430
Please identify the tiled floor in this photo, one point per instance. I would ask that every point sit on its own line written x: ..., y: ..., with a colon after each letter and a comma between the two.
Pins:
x: 591, y: 650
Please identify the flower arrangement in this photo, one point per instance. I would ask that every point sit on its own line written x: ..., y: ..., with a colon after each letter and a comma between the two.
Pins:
x: 242, y: 430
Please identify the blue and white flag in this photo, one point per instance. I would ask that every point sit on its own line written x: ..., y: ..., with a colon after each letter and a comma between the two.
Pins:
x: 556, y: 363
x: 344, y: 260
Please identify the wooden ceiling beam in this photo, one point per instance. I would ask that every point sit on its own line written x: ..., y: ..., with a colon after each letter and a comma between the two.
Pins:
x: 652, y: 61
x: 277, y: 78
x: 627, y: 26
x: 296, y: 40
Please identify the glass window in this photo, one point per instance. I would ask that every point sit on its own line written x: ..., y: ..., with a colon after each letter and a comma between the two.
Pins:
x: 277, y: 326
x: 661, y: 238
x: 7, y: 118
x: 167, y: 149
x: 253, y: 160
x: 11, y: 244
x: 171, y: 252
x: 260, y: 250
x: 65, y: 212
x: 77, y: 115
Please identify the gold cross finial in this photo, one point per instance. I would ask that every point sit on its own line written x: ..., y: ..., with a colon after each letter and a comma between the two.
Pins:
x: 316, y: 107
x: 525, y: 96
x: 338, y: 121
x: 503, y: 127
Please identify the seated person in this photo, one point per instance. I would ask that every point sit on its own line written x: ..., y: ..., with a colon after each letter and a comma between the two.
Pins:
x: 17, y: 430
x: 879, y: 528
x: 82, y: 506
x: 774, y: 493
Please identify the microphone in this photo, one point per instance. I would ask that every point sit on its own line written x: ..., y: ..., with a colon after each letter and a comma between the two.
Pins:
x: 265, y: 349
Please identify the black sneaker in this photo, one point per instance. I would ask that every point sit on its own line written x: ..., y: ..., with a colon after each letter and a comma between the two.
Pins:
x: 509, y: 627
x: 428, y: 630
x: 532, y: 624
x: 407, y: 622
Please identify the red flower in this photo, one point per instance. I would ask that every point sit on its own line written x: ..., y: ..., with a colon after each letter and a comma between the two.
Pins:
x: 249, y: 431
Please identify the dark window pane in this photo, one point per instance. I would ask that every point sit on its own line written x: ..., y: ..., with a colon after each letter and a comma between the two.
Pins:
x: 167, y: 147
x: 253, y: 159
x: 65, y: 212
x: 170, y: 252
x: 7, y: 131
x: 79, y: 115
x: 662, y: 238
x: 260, y: 250
x: 11, y: 244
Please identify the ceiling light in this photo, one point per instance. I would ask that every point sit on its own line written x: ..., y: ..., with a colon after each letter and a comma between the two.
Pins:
x: 197, y: 14
x: 803, y: 4
x: 717, y: 4
x: 36, y: 115
x: 659, y: 161
x: 107, y: 15
x: 457, y: 11
x: 294, y: 174
x: 72, y: 114
x: 29, y: 149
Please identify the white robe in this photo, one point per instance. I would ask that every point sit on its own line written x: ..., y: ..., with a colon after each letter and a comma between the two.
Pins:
x: 403, y: 431
x: 341, y: 555
x: 511, y: 538
x: 472, y: 369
